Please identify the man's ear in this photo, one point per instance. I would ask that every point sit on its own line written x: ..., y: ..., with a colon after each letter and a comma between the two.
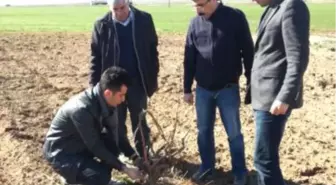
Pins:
x: 107, y: 93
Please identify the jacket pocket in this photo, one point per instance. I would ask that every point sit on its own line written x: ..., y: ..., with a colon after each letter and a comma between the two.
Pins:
x: 202, y: 38
x: 265, y: 86
x: 272, y: 73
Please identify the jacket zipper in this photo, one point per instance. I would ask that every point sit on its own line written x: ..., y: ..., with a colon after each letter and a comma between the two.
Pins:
x: 137, y: 56
x: 116, y: 47
x: 212, y: 45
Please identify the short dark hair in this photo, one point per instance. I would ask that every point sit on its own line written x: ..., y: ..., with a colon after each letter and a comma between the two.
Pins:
x: 113, y: 78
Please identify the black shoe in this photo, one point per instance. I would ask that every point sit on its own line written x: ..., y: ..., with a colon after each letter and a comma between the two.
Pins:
x: 64, y: 182
x: 202, y: 176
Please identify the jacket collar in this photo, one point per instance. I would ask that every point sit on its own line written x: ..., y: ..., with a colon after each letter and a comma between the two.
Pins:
x: 106, y: 110
x: 273, y: 8
x: 275, y: 3
x: 218, y: 9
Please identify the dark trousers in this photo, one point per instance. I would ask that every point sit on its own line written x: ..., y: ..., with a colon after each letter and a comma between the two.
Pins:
x: 83, y: 168
x: 269, y: 132
x: 136, y: 101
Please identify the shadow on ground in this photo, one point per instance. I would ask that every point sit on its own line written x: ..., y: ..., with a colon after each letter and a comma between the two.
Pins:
x: 221, y: 177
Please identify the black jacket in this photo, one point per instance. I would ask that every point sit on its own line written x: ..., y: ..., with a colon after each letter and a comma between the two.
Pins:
x: 216, y: 48
x: 76, y: 132
x: 105, y: 53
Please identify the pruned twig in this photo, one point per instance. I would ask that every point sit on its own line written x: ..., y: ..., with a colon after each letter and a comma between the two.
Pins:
x: 157, y: 125
x: 154, y: 165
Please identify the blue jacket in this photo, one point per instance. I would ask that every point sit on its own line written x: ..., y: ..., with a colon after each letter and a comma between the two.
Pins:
x: 216, y: 48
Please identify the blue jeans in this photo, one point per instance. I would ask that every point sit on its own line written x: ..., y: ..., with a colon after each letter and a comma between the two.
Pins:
x: 228, y: 102
x: 269, y: 132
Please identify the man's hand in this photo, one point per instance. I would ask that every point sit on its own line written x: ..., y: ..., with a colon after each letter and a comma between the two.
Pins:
x: 133, y: 172
x: 140, y: 163
x: 279, y: 108
x: 189, y: 98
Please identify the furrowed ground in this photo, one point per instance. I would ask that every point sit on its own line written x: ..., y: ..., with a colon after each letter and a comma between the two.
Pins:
x: 41, y: 70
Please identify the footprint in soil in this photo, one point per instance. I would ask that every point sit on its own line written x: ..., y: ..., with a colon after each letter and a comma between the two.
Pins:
x: 13, y: 129
x: 311, y: 172
x: 15, y: 133
x: 19, y: 135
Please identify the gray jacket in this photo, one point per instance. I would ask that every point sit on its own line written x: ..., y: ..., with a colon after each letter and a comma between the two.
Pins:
x: 76, y: 130
x: 281, y: 55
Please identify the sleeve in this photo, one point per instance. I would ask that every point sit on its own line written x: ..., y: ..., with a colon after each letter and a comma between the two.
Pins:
x: 125, y: 145
x: 96, y: 60
x: 295, y: 33
x: 189, y: 62
x: 246, y: 46
x: 123, y: 142
x: 84, y: 124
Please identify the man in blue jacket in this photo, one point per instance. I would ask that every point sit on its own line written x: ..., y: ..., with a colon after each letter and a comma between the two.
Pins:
x: 86, y: 128
x: 218, y: 44
x: 126, y: 37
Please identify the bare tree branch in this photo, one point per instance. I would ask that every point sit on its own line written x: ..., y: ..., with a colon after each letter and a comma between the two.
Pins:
x: 159, y: 161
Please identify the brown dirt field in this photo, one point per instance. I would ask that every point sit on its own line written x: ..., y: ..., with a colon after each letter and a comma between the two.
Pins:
x: 38, y: 67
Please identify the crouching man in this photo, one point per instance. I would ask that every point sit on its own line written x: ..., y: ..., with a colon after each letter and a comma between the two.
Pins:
x: 83, y: 142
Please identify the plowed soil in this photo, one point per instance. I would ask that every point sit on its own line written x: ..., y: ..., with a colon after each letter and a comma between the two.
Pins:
x: 41, y: 71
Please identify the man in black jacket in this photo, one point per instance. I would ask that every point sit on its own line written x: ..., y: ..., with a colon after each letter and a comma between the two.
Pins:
x: 86, y: 127
x: 218, y: 44
x: 126, y: 37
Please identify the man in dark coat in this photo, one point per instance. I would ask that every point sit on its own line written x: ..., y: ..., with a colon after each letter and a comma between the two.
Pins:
x: 85, y: 128
x: 126, y: 37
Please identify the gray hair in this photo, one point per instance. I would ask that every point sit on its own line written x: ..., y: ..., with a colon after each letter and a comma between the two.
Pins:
x: 114, y: 2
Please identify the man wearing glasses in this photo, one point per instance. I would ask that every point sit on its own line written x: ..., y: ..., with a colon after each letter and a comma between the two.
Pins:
x: 218, y: 44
